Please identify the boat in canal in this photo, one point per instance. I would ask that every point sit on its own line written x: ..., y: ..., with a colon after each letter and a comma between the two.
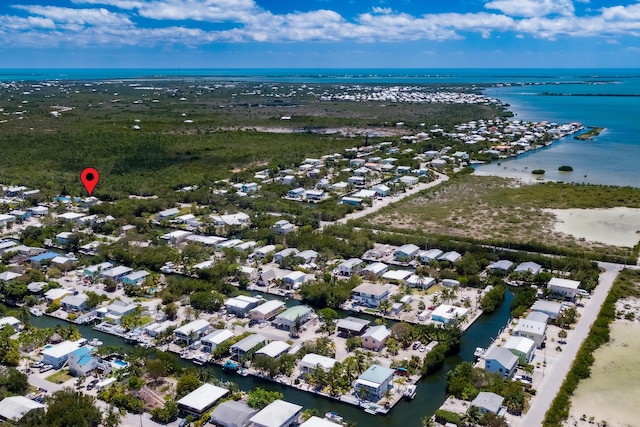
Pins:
x: 410, y: 392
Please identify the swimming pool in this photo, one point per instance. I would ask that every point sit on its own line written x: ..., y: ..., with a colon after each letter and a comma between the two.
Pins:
x: 119, y: 364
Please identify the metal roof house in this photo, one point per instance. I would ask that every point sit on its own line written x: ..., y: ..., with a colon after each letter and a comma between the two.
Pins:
x: 279, y: 413
x: 232, y: 414
x: 311, y: 361
x: 501, y: 361
x: 352, y: 326
x: 522, y: 347
x: 14, y: 408
x: 215, y: 338
x: 201, y: 399
x: 374, y: 382
x: 406, y: 252
x: 188, y: 332
x: 564, y: 287
x: 489, y: 402
x: 274, y: 349
x: 297, y: 314
x: 267, y: 310
x: 375, y: 338
x: 247, y: 344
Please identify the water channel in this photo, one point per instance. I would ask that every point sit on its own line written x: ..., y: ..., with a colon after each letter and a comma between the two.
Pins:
x: 430, y: 391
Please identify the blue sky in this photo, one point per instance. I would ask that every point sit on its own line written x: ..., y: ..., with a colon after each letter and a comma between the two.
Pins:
x: 319, y: 33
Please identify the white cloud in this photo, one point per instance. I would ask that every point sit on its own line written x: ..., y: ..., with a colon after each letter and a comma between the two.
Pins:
x: 77, y: 16
x: 531, y: 8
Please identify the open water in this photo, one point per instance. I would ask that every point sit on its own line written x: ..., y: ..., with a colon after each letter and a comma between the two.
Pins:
x: 608, y: 98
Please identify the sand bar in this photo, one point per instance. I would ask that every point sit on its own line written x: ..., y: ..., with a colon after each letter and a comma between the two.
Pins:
x: 615, y: 226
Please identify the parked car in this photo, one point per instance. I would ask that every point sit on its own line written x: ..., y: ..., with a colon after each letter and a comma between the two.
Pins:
x: 37, y: 365
x: 46, y: 368
x: 423, y: 349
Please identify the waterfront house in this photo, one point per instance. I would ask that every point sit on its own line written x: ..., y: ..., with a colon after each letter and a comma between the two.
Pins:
x: 232, y: 413
x: 57, y: 354
x: 274, y: 349
x: 406, y: 253
x: 191, y: 331
x: 64, y: 263
x: 422, y: 282
x: 63, y: 237
x: 242, y: 347
x: 429, y: 255
x: 534, y: 327
x: 351, y: 326
x: 349, y: 267
x: 500, y: 267
x: 270, y: 276
x: 56, y: 294
x: 294, y: 279
x: 374, y: 383
x: 277, y: 414
x: 522, y: 347
x: 487, y: 401
x: 135, y: 278
x: 370, y: 294
x: 241, y: 305
x: 298, y: 314
x: 375, y: 338
x: 281, y: 255
x: 319, y: 422
x: 8, y: 276
x: 553, y: 309
x: 529, y: 266
x: 311, y: 361
x: 501, y: 361
x: 115, y: 273
x: 201, y: 399
x: 445, y: 313
x: 11, y: 321
x: 398, y: 276
x: 215, y: 338
x: 374, y: 270
x: 82, y: 362
x: 42, y: 259
x: 115, y: 311
x: 262, y: 252
x: 94, y: 270
x: 309, y: 256
x: 451, y: 257
x: 15, y: 408
x: 267, y: 310
x: 74, y: 302
x: 565, y: 288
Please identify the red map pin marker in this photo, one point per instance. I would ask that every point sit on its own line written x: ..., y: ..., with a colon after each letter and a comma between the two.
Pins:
x: 89, y: 178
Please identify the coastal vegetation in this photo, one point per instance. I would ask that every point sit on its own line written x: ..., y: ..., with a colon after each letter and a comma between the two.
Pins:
x: 590, y: 134
x: 565, y: 168
x: 627, y: 284
x: 538, y: 171
x: 502, y: 212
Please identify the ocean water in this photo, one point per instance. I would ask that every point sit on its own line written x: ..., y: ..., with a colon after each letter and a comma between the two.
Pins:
x: 608, y: 98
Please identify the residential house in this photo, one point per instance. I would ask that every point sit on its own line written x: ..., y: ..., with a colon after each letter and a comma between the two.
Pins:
x: 11, y: 321
x: 241, y: 305
x: 429, y: 255
x: 350, y: 267
x: 422, y: 282
x: 232, y: 413
x: 375, y: 338
x: 274, y: 349
x: 319, y: 422
x: 406, y: 253
x: 82, y: 362
x: 96, y: 269
x: 408, y: 180
x: 115, y: 311
x: 57, y: 354
x: 398, y: 276
x: 534, y: 327
x: 565, y: 288
x: 191, y: 331
x: 201, y: 399
x: 451, y: 257
x: 381, y: 190
x: 267, y: 310
x: 529, y: 266
x: 311, y: 361
x: 42, y: 259
x: 262, y: 252
x: 135, y: 278
x: 116, y: 273
x: 374, y: 270
x: 176, y: 237
x: 244, y: 346
x: 283, y: 227
x: 489, y: 402
x: 370, y: 294
x: 353, y: 201
x: 553, y: 309
x: 374, y: 383
x: 522, y: 347
x: 15, y: 408
x: 215, y: 338
x: 445, y: 313
x: 270, y: 276
x: 56, y: 294
x: 351, y: 326
x: 281, y: 255
x: 277, y: 414
x: 74, y: 302
x: 309, y: 256
x: 501, y: 361
x: 298, y: 314
x: 500, y: 267
x: 167, y: 213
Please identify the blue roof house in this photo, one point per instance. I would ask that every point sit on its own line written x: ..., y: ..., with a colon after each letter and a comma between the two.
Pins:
x: 39, y: 260
x: 374, y: 382
x: 81, y: 362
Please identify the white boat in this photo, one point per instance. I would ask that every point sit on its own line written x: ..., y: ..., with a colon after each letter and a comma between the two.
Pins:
x: 36, y: 311
x: 95, y: 342
x: 333, y: 416
x: 410, y: 392
x: 479, y: 352
x: 201, y: 359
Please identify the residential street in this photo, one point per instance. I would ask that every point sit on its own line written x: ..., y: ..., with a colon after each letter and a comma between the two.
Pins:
x: 554, y: 378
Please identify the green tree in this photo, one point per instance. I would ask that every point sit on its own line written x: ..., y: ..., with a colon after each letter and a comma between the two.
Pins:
x: 186, y: 384
x: 259, y: 398
x: 171, y: 310
x: 156, y: 369
x: 67, y: 407
x: 112, y: 417
x: 166, y: 413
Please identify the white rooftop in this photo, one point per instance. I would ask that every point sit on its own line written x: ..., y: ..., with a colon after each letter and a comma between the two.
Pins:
x: 274, y: 348
x: 15, y: 407
x: 203, y: 397
x: 276, y: 414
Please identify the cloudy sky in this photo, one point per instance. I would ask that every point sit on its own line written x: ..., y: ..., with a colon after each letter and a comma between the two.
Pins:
x: 319, y: 33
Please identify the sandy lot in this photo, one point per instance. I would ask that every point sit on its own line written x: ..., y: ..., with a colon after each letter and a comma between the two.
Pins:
x: 616, y: 226
x: 611, y: 393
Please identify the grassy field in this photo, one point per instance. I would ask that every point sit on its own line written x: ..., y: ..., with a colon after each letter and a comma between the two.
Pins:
x: 500, y: 210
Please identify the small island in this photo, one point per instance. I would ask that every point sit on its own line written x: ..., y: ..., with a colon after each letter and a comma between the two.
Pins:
x: 538, y: 171
x: 565, y: 168
x: 590, y: 134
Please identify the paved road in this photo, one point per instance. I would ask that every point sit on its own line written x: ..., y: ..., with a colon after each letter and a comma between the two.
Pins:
x: 554, y: 378
x: 386, y: 201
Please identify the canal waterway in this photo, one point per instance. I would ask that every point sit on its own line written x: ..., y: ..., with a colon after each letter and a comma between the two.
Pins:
x: 430, y: 391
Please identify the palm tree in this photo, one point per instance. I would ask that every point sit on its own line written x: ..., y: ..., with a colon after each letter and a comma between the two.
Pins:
x: 472, y: 417
x: 427, y: 422
x: 112, y: 417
